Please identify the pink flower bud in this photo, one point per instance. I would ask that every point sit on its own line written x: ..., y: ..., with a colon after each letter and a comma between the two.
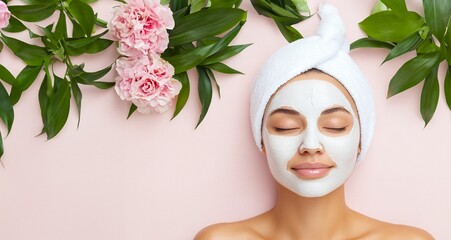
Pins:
x: 147, y: 82
x: 5, y: 14
x: 141, y: 27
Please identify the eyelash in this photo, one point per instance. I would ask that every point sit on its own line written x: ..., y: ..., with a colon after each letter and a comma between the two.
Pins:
x: 336, y: 129
x: 284, y: 129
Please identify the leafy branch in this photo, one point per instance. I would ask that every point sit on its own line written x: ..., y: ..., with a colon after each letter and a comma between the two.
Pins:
x: 284, y: 13
x: 394, y: 27
x: 59, y: 45
x: 195, y: 43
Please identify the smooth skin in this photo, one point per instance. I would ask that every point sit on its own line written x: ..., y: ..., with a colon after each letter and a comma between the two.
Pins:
x: 299, y: 218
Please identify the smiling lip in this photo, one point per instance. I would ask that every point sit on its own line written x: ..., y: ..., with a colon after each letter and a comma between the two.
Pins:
x: 311, y: 170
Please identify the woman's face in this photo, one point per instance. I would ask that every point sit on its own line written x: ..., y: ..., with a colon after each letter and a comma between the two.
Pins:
x: 311, y: 135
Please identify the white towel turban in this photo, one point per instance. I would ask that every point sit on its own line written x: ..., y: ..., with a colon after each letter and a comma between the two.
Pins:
x: 328, y: 52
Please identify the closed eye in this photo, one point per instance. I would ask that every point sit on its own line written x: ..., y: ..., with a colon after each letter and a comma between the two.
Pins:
x: 336, y: 129
x: 284, y: 129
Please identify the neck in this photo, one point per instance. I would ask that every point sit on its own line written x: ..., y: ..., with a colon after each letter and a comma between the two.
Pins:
x: 318, y: 218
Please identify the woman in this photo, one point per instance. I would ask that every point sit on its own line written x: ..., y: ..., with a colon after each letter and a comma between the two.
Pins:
x: 312, y: 116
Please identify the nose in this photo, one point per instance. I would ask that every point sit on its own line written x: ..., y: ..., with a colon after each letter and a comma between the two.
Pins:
x: 303, y: 150
x: 311, y: 144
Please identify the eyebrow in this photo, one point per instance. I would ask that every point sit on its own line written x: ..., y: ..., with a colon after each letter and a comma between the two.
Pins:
x: 335, y: 109
x: 286, y: 111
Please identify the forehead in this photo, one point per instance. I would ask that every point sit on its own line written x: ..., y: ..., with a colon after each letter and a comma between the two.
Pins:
x: 309, y: 97
x: 317, y: 75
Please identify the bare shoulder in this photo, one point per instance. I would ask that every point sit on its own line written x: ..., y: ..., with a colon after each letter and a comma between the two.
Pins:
x: 374, y: 230
x: 228, y: 231
x: 407, y: 232
x: 388, y: 231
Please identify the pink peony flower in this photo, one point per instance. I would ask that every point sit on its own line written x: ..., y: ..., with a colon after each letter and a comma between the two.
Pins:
x: 147, y: 82
x: 141, y: 27
x: 5, y: 14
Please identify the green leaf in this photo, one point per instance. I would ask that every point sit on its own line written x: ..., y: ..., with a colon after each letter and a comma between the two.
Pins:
x: 213, y: 78
x: 23, y: 81
x: 448, y: 42
x: 14, y: 25
x: 193, y: 57
x: 6, y: 76
x: 189, y: 59
x: 261, y: 7
x: 388, y: 26
x: 278, y: 8
x: 1, y: 46
x: 205, y: 92
x: 226, y: 40
x: 203, y: 42
x: 447, y: 87
x: 281, y: 11
x: 61, y: 27
x: 205, y: 23
x: 428, y: 46
x: 48, y: 79
x: 33, y: 12
x: 180, y: 13
x: 44, y: 100
x: 58, y: 109
x: 378, y: 7
x: 413, y: 72
x: 277, y: 13
x: 26, y: 77
x: 220, y: 67
x: 76, y: 92
x: 59, y: 54
x: 371, y: 43
x: 6, y: 108
x: 301, y: 6
x: 132, y: 109
x: 84, y: 15
x: 406, y: 45
x: 437, y: 15
x: 92, y: 76
x: 78, y: 46
x: 223, y: 3
x: 41, y: 1
x: 429, y: 95
x: 182, y: 98
x: 1, y: 146
x: 290, y: 33
x: 98, y: 46
x: 49, y: 40
x: 82, y: 42
x: 397, y: 6
x: 225, y: 54
x: 77, y: 70
x: 176, y: 5
x: 77, y: 31
x: 32, y: 55
x: 97, y: 84
x: 424, y: 32
x: 197, y: 5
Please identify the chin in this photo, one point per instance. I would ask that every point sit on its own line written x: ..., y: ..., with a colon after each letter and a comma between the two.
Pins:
x: 313, y: 188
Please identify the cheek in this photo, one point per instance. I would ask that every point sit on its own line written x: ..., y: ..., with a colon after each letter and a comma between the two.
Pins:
x: 343, y: 150
x: 281, y: 148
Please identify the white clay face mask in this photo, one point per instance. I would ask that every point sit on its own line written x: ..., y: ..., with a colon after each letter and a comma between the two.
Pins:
x: 306, y: 174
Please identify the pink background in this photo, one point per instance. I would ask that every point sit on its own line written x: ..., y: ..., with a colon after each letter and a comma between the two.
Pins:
x: 151, y: 178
